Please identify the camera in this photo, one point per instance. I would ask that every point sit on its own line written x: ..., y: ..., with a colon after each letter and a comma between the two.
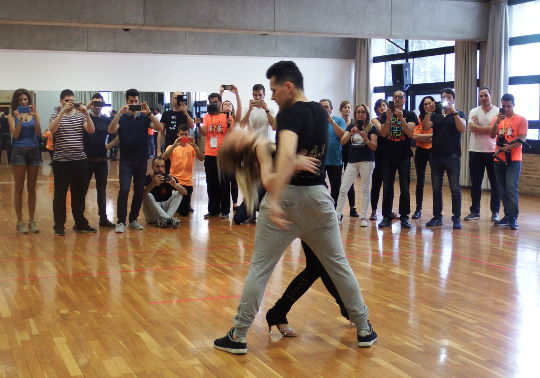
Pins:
x: 212, y: 108
x: 99, y: 104
x: 182, y: 98
x: 23, y: 109
x: 77, y: 105
x: 166, y: 177
x: 135, y: 108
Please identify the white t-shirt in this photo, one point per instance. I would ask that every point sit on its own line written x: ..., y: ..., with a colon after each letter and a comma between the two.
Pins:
x: 482, y: 142
x: 258, y: 121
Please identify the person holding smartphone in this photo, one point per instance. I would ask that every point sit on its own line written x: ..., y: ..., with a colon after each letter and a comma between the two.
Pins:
x: 131, y: 123
x: 171, y: 120
x: 397, y: 126
x: 181, y: 154
x: 70, y: 163
x: 259, y: 116
x: 24, y: 127
x: 447, y: 126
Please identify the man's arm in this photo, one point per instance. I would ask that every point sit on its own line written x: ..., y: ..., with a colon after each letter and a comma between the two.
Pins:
x: 426, y: 122
x: 337, y: 130
x: 88, y: 123
x: 113, y: 126
x: 160, y: 139
x: 112, y: 143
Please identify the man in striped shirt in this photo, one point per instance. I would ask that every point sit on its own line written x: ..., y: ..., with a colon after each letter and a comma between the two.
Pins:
x: 70, y: 165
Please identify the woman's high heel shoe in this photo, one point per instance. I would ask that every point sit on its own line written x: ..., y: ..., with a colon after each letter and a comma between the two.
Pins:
x: 281, y: 324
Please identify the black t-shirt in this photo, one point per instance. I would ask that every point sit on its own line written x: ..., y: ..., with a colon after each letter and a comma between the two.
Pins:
x: 162, y: 192
x: 309, y: 121
x: 358, y: 149
x: 133, y: 134
x: 397, y: 144
x: 172, y: 121
x: 446, y: 137
x: 94, y: 144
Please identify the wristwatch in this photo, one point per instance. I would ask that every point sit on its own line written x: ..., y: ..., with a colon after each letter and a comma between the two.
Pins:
x: 267, y: 111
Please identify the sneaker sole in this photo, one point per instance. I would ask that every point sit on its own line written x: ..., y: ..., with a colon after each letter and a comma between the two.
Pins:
x: 367, y: 344
x: 231, y: 350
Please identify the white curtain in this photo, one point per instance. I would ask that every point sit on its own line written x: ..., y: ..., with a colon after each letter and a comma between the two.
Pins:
x: 494, y: 67
x: 118, y: 99
x: 362, y: 65
x: 466, y: 96
x: 84, y: 96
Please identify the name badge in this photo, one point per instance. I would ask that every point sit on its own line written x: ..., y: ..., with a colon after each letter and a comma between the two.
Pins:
x: 213, y: 142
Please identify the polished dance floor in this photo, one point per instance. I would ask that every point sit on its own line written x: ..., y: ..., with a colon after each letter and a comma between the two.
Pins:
x: 448, y: 303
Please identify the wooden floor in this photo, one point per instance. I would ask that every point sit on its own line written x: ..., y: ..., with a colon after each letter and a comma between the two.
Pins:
x: 148, y: 303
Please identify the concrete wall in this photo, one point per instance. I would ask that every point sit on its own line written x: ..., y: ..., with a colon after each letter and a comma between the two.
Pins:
x: 296, y: 28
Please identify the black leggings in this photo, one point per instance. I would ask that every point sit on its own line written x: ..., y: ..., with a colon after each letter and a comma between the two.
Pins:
x: 376, y: 183
x: 301, y: 283
x: 334, y: 177
x: 421, y: 159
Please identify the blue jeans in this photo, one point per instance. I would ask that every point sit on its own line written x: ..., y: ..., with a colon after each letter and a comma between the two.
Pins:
x: 452, y: 165
x: 507, y: 180
x: 129, y: 169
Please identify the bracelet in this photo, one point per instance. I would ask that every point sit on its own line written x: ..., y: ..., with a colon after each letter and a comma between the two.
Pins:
x: 267, y: 111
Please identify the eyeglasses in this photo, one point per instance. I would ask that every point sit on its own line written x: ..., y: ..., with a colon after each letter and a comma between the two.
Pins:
x: 361, y: 111
x: 398, y: 96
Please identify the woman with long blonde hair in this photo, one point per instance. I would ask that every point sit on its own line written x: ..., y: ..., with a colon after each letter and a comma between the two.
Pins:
x: 361, y: 138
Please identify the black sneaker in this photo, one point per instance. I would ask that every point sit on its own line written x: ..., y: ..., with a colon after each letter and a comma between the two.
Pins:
x: 512, y: 224
x: 353, y: 213
x: 227, y: 344
x: 405, y: 223
x: 386, y: 222
x: 369, y: 339
x: 495, y: 217
x: 417, y: 214
x: 434, y: 222
x: 85, y: 229
x: 456, y: 223
x: 472, y: 216
x: 59, y: 231
x: 210, y: 215
x: 106, y: 223
x: 502, y: 223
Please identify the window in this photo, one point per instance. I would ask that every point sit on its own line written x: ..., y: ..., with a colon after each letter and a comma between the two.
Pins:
x: 524, y: 59
x: 524, y: 69
x: 527, y: 100
x: 428, y: 69
x: 524, y: 18
x: 107, y: 97
x: 415, y: 45
x: 449, y: 67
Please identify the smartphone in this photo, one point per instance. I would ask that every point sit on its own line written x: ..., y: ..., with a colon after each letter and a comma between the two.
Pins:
x: 391, y: 106
x: 100, y: 104
x: 184, y: 139
x: 501, y: 110
x: 227, y: 87
x: 135, y: 108
x: 360, y: 124
x: 256, y: 102
x: 181, y: 98
x: 23, y: 109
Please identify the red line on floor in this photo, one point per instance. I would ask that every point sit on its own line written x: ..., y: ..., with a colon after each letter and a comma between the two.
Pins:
x: 196, y: 299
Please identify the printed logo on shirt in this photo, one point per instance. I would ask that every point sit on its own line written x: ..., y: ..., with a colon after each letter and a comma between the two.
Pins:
x: 357, y: 141
x: 215, y: 129
x: 396, y: 134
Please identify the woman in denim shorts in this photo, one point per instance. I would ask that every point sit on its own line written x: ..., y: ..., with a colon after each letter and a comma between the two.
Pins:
x: 25, y: 128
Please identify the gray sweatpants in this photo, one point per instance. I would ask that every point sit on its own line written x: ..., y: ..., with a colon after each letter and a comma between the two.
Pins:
x: 311, y: 211
x: 154, y: 210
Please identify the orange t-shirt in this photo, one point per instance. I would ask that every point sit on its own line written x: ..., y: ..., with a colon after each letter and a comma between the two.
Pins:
x: 418, y: 130
x: 182, y: 164
x: 217, y: 129
x: 50, y: 140
x: 511, y: 128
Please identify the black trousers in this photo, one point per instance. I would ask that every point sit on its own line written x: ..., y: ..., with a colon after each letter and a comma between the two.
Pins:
x: 421, y: 159
x: 100, y: 170
x: 218, y: 188
x: 301, y: 283
x: 376, y: 182
x: 128, y: 170
x: 185, y: 205
x: 70, y: 175
x: 334, y: 177
x: 390, y: 167
x: 478, y: 162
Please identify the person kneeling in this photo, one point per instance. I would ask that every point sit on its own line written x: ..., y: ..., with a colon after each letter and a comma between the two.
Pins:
x: 162, y: 196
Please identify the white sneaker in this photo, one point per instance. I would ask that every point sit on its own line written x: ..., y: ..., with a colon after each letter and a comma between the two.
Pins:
x: 134, y: 225
x: 363, y: 222
x: 32, y: 228
x: 120, y: 228
x: 22, y: 228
